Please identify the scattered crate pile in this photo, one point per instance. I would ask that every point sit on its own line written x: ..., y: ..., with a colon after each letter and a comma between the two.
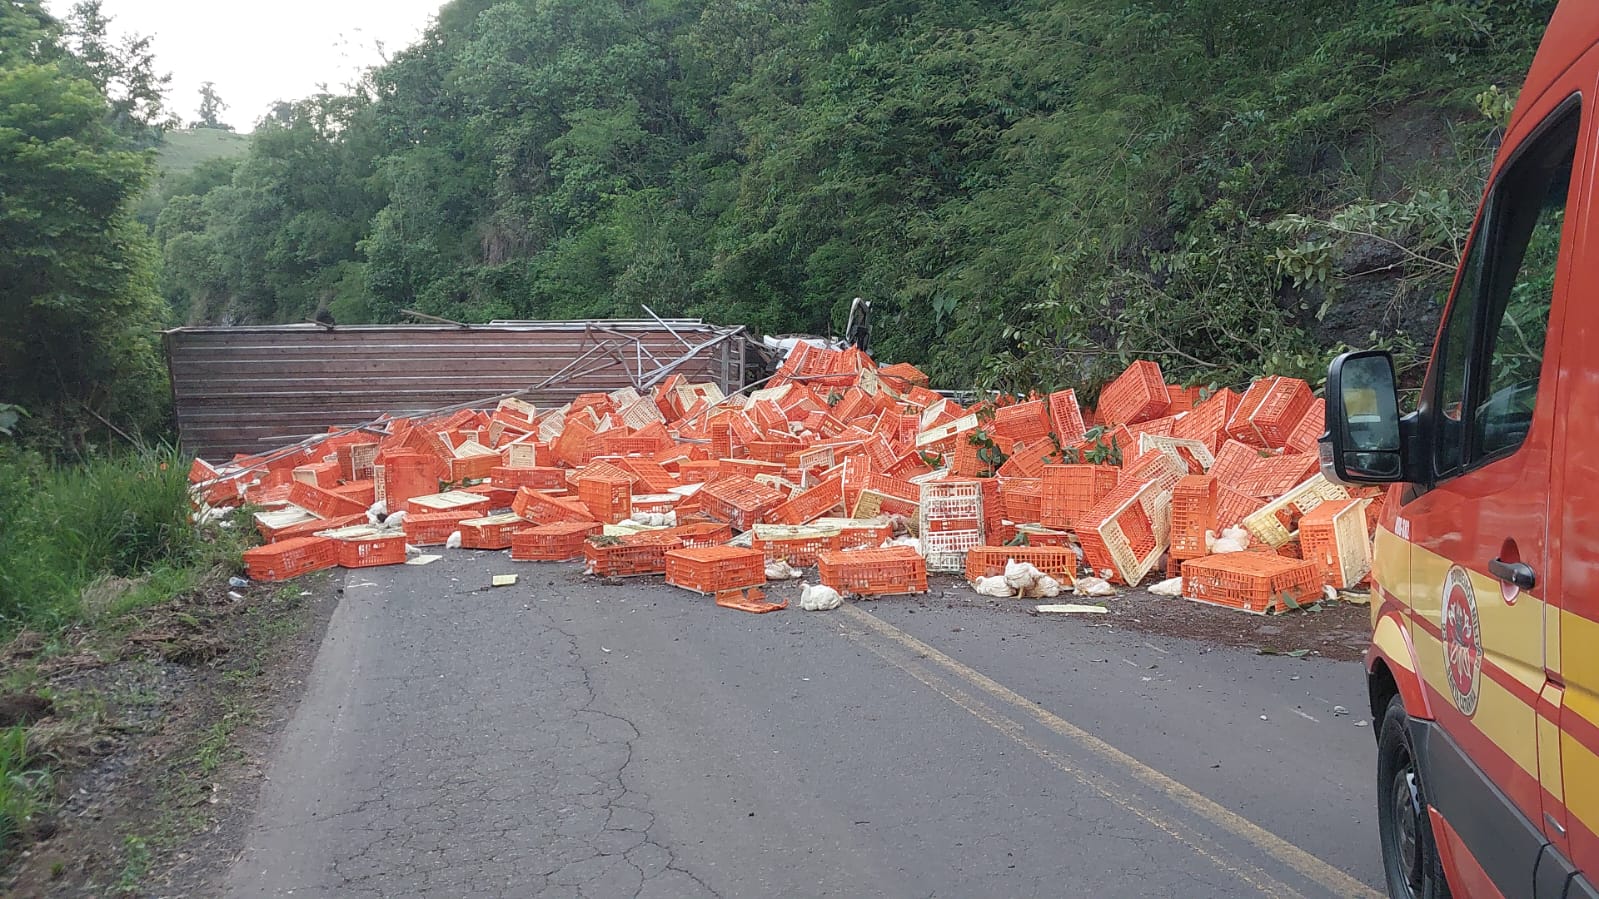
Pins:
x: 858, y: 470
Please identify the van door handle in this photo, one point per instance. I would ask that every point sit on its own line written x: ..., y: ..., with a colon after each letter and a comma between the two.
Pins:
x: 1516, y: 574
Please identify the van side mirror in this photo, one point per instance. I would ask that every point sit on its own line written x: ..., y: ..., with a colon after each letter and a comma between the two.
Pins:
x: 1364, y: 443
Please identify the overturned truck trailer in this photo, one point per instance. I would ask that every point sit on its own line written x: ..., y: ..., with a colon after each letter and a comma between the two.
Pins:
x: 245, y: 389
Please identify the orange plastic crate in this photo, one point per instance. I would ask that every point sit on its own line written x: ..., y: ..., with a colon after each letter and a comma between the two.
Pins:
x: 291, y: 558
x: 1234, y: 461
x: 1270, y: 478
x: 1193, y: 512
x: 1138, y: 394
x: 1067, y: 416
x: 1207, y: 422
x: 1028, y: 460
x: 699, y: 471
x: 1071, y: 490
x: 1232, y: 507
x: 1253, y: 582
x: 632, y: 555
x: 810, y: 505
x: 738, y: 501
x: 855, y: 534
x: 535, y: 477
x: 609, y: 499
x: 1027, y: 421
x: 1183, y: 399
x: 1307, y: 434
x: 542, y: 508
x: 474, y: 467
x: 434, y: 528
x: 989, y: 561
x: 1333, y: 536
x: 491, y: 532
x: 653, y: 476
x: 355, y: 460
x: 323, y: 502
x: 552, y: 542
x: 797, y: 550
x: 874, y: 572
x: 1125, y: 533
x: 1269, y: 412
x: 749, y: 468
x: 371, y: 551
x: 1023, y: 499
x: 712, y: 569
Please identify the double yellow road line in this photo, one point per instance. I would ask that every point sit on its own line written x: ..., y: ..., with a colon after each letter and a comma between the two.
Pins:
x: 1009, y: 712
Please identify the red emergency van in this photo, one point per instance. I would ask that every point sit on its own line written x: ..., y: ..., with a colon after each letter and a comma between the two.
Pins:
x: 1484, y: 658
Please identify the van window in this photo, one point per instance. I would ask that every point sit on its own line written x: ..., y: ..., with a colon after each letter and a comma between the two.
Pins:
x: 1492, y: 349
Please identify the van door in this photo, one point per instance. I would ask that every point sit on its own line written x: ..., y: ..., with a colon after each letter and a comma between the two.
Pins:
x: 1479, y: 529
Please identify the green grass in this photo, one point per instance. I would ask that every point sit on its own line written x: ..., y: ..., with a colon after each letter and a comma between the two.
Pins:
x: 66, y: 529
x: 184, y: 149
x: 24, y: 787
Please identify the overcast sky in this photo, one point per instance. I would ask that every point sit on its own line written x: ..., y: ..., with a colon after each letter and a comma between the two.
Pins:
x: 258, y: 53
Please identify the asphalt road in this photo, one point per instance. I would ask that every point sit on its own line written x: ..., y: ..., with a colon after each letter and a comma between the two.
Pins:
x: 564, y: 738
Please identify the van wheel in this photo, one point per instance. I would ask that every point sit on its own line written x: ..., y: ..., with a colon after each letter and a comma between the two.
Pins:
x: 1409, y: 855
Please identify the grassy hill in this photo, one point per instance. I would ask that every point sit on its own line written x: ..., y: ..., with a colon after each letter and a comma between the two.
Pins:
x: 182, y: 150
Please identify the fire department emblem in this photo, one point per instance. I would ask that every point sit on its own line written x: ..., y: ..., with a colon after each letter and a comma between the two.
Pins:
x: 1462, y: 631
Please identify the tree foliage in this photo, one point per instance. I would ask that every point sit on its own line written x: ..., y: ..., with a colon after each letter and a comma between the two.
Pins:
x: 1031, y: 191
x: 79, y: 306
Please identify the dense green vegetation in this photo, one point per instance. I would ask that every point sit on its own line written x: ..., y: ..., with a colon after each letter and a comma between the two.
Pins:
x: 1020, y: 186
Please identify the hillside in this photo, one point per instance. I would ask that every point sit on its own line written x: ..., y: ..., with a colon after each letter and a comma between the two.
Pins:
x: 1031, y: 192
x: 183, y: 149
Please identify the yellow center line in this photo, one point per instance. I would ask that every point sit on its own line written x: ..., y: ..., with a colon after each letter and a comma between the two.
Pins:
x: 1305, y: 864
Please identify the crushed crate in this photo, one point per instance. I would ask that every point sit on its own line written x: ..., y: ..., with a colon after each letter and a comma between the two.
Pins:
x: 890, y: 571
x: 1071, y: 490
x: 291, y: 558
x: 491, y: 532
x: 795, y: 544
x: 1333, y: 536
x: 1059, y: 563
x: 1125, y: 533
x: 714, y: 569
x: 552, y: 542
x: 1252, y: 582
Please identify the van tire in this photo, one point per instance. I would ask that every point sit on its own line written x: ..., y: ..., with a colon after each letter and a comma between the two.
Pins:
x: 1410, y: 858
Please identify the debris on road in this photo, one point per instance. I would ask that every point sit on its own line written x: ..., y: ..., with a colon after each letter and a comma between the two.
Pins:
x: 1070, y: 608
x: 859, y: 471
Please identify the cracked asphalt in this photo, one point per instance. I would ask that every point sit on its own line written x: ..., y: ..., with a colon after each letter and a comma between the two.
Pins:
x: 565, y: 738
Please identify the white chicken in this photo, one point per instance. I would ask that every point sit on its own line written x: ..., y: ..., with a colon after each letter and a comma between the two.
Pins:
x: 454, y: 541
x: 820, y: 598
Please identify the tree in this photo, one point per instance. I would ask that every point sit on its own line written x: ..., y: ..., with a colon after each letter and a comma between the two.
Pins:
x: 78, y: 304
x: 122, y: 70
x: 211, y: 107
